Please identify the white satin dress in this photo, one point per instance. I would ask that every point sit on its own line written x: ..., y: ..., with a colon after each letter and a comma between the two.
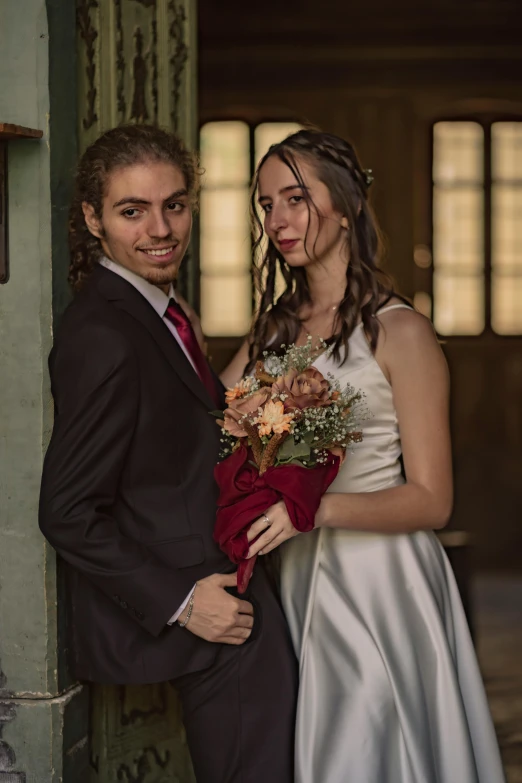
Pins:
x: 390, y: 690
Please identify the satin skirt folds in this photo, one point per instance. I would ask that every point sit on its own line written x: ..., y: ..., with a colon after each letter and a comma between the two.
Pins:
x: 390, y: 690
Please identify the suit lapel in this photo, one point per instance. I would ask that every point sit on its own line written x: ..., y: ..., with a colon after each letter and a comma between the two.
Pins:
x: 124, y: 296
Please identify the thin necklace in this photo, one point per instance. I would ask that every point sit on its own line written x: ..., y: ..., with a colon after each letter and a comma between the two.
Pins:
x: 315, y: 336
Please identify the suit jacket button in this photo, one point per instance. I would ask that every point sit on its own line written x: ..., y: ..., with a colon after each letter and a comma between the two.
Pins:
x: 140, y: 615
x: 124, y: 605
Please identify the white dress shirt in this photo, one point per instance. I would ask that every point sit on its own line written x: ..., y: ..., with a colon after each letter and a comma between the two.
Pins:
x: 159, y: 300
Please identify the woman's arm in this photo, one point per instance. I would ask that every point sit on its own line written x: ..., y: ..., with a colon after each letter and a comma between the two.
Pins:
x: 236, y: 369
x: 411, y: 358
x: 417, y: 370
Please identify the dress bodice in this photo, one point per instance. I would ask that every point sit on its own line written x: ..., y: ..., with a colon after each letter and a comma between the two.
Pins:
x: 374, y: 463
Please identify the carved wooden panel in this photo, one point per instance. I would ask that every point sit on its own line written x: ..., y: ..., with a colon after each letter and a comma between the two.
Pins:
x: 137, y: 735
x: 136, y: 63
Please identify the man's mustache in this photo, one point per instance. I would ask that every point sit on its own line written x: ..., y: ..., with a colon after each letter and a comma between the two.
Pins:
x: 171, y: 240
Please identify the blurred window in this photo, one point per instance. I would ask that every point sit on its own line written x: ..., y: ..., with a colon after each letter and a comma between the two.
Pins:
x: 477, y: 239
x: 229, y: 153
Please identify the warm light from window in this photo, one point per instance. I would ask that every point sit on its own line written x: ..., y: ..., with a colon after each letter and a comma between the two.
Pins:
x: 226, y: 305
x: 506, y: 256
x: 225, y: 246
x: 268, y: 133
x: 458, y: 227
x: 422, y: 256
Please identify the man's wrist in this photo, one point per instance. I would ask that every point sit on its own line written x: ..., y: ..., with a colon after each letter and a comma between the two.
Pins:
x: 187, y: 611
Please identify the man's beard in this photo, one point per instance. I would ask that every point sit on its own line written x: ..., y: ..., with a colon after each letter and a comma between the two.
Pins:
x: 160, y: 276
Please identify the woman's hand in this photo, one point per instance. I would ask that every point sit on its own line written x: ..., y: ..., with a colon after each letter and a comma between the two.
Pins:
x: 195, y: 321
x: 277, y: 529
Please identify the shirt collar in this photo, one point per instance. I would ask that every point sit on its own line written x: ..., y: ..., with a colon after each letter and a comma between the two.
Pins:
x: 154, y: 295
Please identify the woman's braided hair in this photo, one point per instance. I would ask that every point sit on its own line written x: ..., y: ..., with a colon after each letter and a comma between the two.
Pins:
x: 119, y: 147
x: 278, y: 320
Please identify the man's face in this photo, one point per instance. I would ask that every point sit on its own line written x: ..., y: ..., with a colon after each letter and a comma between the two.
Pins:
x: 146, y: 220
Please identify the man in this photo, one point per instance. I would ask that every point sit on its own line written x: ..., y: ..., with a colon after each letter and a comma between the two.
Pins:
x: 128, y: 497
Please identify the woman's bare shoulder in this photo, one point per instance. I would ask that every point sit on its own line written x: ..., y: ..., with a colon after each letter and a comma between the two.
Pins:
x: 405, y: 329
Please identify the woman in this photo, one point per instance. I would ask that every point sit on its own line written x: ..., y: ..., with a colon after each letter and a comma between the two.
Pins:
x: 390, y: 689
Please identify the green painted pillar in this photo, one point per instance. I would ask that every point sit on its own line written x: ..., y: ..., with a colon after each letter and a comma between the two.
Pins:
x: 43, y: 716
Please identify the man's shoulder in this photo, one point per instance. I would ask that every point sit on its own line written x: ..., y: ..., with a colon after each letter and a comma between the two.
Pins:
x: 90, y: 305
x: 92, y: 318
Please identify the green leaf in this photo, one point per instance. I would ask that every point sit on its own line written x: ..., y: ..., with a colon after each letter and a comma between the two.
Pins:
x: 217, y: 414
x: 291, y: 450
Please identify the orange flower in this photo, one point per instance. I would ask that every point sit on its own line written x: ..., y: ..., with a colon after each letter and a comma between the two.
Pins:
x: 307, y: 389
x: 239, y: 390
x: 274, y: 419
x: 239, y: 409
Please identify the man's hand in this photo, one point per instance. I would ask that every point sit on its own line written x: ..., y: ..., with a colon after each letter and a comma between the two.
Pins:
x: 216, y: 615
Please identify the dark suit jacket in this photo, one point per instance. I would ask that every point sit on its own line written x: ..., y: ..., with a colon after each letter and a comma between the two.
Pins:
x: 128, y: 497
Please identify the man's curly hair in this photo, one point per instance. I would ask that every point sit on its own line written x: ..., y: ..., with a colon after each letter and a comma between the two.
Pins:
x: 119, y: 147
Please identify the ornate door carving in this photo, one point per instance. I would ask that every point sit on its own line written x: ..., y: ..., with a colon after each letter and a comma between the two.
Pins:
x: 136, y: 63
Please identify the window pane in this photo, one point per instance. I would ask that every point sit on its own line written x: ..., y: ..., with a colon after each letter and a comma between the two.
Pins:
x: 458, y: 227
x: 458, y: 304
x: 225, y: 153
x: 506, y: 153
x: 226, y: 305
x: 506, y: 251
x: 506, y: 309
x: 225, y: 243
x: 506, y: 228
x: 269, y: 133
x: 458, y: 152
x: 458, y: 241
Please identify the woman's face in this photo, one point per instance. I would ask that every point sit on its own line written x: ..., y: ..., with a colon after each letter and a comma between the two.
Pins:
x: 301, y: 221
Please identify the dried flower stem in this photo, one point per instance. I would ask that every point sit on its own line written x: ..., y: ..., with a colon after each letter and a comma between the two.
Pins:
x: 270, y: 451
x: 255, y: 441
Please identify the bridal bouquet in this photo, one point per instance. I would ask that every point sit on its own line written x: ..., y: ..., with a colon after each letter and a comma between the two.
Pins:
x: 285, y: 434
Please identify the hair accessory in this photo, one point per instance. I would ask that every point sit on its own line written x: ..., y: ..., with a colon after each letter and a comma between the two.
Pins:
x: 368, y: 177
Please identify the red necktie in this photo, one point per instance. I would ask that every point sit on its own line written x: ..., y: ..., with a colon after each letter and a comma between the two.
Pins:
x: 177, y: 317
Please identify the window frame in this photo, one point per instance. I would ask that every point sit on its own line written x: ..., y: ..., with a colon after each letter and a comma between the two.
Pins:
x: 486, y: 120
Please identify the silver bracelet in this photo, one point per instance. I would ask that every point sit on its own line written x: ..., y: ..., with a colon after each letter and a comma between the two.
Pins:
x: 191, y: 607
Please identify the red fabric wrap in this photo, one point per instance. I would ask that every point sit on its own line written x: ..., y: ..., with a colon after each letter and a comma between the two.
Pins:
x: 245, y: 496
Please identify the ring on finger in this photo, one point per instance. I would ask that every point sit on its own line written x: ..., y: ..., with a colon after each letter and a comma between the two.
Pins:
x: 266, y: 519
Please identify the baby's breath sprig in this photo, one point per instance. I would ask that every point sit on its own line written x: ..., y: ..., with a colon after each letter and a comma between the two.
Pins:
x: 294, y: 357
x: 228, y: 444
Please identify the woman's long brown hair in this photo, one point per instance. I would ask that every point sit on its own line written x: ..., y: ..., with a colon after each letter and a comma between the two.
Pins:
x: 278, y: 321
